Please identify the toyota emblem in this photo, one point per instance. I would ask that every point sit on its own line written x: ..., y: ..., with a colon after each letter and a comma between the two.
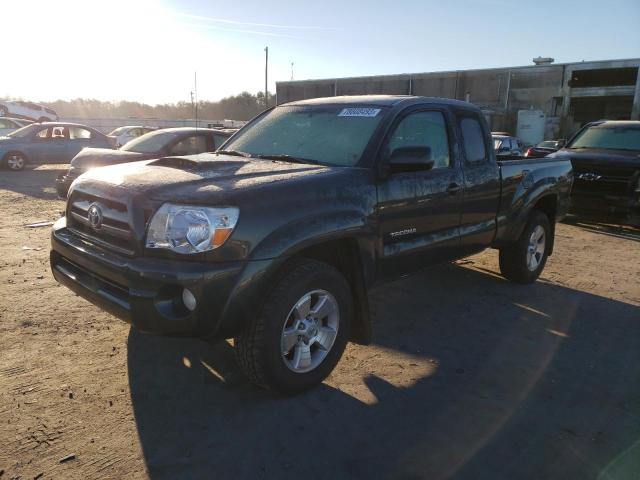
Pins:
x: 94, y: 215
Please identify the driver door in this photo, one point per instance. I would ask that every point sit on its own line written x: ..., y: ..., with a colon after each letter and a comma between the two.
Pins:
x: 419, y: 211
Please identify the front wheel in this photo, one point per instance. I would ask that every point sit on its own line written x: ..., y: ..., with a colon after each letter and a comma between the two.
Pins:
x: 524, y: 261
x: 300, y: 333
x: 15, y: 161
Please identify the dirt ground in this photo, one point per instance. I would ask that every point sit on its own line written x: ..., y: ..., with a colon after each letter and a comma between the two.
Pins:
x: 468, y: 376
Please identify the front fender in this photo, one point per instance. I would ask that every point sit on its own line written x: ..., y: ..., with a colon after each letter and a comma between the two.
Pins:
x: 295, y: 236
x: 270, y: 256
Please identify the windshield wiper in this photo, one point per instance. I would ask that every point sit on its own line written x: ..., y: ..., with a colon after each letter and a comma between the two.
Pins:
x: 287, y: 158
x: 236, y: 153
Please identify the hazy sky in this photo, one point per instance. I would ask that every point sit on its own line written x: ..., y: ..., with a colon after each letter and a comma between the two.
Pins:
x: 147, y: 51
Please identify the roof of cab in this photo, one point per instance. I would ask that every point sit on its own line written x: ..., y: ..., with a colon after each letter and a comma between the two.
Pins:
x: 379, y: 100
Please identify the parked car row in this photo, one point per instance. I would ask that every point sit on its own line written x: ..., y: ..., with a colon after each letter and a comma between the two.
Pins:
x: 60, y: 142
x: 605, y: 154
x: 505, y: 144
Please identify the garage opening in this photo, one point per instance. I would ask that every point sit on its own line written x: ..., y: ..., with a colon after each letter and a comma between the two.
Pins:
x: 588, y: 109
x: 604, y: 77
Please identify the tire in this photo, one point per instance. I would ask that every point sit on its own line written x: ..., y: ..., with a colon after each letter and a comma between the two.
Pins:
x: 515, y: 262
x: 44, y: 119
x: 15, y: 161
x: 272, y: 350
x: 4, y: 111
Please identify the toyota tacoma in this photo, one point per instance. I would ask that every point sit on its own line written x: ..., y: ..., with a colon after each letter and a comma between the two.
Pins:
x: 275, y: 239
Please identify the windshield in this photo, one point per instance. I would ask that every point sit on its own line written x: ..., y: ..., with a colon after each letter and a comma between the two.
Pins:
x: 118, y: 131
x: 23, y: 132
x: 326, y: 134
x: 151, y: 142
x: 496, y: 143
x: 609, y: 137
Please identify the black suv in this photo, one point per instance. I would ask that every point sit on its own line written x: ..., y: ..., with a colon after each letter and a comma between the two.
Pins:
x: 606, y: 165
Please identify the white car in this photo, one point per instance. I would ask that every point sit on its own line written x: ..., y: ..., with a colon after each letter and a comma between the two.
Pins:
x: 28, y: 110
x: 8, y: 125
x: 126, y: 134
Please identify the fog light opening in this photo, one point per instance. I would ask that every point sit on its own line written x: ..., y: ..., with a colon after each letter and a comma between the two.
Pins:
x: 189, y: 299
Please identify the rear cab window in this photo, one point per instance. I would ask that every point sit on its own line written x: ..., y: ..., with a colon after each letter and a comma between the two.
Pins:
x: 473, y: 139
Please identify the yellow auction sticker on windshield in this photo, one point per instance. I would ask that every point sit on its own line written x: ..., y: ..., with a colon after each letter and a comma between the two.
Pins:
x: 359, y: 112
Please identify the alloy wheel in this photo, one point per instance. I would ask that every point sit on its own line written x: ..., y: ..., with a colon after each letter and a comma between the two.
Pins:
x: 310, y: 331
x: 15, y: 161
x: 535, y: 250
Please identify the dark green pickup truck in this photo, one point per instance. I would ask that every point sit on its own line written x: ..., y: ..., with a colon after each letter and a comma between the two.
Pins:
x: 275, y: 239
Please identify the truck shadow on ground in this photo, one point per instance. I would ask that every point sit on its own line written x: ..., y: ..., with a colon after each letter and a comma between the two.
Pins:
x: 537, y: 381
x: 38, y: 181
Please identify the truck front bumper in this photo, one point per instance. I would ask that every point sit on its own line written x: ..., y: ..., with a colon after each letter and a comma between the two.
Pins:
x: 624, y: 207
x: 148, y: 292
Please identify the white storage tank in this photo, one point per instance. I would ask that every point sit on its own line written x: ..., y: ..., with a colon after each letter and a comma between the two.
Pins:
x: 531, y: 124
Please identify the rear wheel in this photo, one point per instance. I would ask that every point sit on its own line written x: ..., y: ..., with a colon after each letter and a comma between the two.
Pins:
x: 15, y: 161
x: 524, y: 261
x: 4, y: 111
x: 300, y: 333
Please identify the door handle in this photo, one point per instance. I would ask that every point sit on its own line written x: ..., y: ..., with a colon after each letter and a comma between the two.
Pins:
x: 453, y: 188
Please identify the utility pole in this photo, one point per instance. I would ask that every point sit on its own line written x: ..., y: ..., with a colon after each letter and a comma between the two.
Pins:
x: 195, y: 86
x: 291, y: 71
x: 266, y: 77
x: 193, y: 104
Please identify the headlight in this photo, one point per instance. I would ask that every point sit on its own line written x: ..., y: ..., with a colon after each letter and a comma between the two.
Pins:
x: 190, y: 228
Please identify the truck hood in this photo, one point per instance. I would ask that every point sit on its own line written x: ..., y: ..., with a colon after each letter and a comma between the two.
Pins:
x: 98, y: 157
x: 196, y: 178
x: 589, y: 157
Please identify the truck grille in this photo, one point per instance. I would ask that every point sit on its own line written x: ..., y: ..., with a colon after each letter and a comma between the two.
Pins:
x: 113, y: 228
x: 602, y: 180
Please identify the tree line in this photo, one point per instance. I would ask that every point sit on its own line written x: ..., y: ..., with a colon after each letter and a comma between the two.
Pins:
x: 237, y: 107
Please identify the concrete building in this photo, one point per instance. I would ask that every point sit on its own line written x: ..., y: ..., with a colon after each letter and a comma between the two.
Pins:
x: 568, y: 94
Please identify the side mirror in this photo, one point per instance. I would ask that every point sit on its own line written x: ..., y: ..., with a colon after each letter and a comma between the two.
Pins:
x: 411, y: 159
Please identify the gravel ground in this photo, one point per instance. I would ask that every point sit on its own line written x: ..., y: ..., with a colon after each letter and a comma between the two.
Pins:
x: 468, y: 376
